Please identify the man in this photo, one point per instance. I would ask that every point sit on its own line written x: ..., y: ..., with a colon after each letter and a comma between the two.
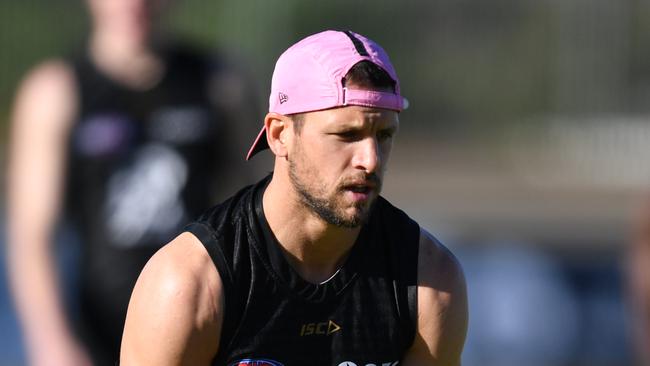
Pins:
x: 130, y: 136
x: 310, y: 266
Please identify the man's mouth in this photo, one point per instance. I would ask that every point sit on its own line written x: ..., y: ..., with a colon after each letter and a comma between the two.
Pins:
x: 360, y: 192
x: 360, y: 189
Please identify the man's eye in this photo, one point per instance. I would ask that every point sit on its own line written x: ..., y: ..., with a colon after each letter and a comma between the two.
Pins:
x: 347, y: 135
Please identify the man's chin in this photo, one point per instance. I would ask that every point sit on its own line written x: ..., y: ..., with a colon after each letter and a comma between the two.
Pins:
x: 358, y: 217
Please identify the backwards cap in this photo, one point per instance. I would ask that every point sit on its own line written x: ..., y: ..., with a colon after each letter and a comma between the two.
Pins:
x: 309, y: 77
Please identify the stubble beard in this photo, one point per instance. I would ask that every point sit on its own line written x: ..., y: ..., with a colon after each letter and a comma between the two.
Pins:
x: 328, y: 209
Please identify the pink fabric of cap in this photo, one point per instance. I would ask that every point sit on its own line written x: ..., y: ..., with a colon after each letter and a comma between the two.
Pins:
x: 309, y: 77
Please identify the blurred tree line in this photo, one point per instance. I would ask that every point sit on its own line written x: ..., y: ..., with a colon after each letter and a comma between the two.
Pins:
x: 469, y: 68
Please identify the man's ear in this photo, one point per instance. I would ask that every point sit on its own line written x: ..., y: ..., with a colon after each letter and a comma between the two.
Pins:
x: 277, y: 133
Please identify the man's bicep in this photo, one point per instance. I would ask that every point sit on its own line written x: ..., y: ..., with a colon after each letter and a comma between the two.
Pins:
x: 442, y: 307
x: 175, y: 312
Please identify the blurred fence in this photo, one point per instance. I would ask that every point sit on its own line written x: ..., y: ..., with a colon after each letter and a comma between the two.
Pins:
x: 525, y: 142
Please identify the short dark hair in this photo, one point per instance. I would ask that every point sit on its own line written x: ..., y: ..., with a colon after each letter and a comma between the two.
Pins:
x: 367, y: 75
x: 363, y: 75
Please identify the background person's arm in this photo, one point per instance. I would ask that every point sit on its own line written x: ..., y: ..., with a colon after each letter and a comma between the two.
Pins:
x: 43, y: 114
x: 442, y: 307
x: 176, y: 309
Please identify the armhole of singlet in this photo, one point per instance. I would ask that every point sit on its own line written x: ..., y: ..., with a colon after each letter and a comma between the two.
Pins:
x: 206, y: 236
x: 406, y: 283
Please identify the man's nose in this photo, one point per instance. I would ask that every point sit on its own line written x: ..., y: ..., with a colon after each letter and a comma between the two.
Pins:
x: 367, y: 156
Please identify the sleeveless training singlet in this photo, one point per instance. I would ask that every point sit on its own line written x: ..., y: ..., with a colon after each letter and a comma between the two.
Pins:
x: 364, y: 315
x: 141, y: 165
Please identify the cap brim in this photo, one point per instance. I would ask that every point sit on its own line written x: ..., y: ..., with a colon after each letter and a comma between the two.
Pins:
x: 259, y: 144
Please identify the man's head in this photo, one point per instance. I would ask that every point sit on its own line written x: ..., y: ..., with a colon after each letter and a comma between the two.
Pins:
x: 333, y: 112
x: 364, y: 75
x: 322, y: 72
x: 128, y: 19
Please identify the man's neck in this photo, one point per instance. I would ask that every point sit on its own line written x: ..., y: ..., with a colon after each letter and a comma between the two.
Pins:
x: 313, y: 247
x: 130, y: 62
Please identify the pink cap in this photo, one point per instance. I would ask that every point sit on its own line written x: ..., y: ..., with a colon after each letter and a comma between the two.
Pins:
x: 309, y: 77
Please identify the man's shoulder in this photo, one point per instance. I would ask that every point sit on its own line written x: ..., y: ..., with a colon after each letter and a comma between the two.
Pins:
x: 179, y: 275
x: 50, y: 79
x: 435, y: 256
x: 182, y: 263
x: 432, y: 250
x: 436, y: 261
x: 178, y: 299
x: 46, y: 102
x: 439, y: 269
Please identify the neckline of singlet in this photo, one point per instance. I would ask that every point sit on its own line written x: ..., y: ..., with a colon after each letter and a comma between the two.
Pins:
x: 289, y: 277
x: 165, y: 54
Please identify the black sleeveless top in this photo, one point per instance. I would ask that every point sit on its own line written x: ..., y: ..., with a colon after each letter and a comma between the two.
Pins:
x: 364, y: 314
x: 141, y: 165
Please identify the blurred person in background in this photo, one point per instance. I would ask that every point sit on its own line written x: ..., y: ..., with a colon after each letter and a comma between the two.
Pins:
x: 638, y: 282
x: 131, y: 137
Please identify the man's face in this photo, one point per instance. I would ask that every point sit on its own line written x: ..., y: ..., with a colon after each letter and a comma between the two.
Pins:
x: 337, y: 161
x: 133, y: 18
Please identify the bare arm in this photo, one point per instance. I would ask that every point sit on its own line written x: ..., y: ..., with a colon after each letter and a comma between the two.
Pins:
x: 176, y: 309
x: 43, y: 113
x: 442, y: 307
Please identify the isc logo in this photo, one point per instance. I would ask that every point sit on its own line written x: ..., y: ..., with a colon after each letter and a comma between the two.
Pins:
x: 322, y: 328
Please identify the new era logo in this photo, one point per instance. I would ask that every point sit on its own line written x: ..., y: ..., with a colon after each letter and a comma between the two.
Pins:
x: 283, y: 97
